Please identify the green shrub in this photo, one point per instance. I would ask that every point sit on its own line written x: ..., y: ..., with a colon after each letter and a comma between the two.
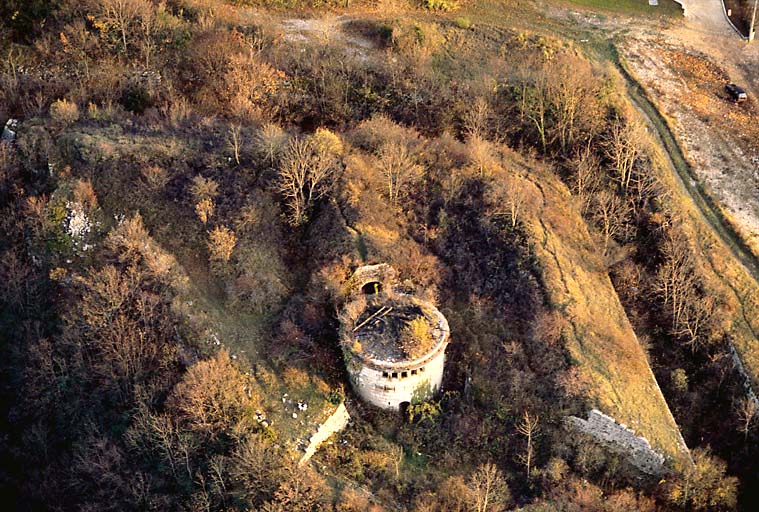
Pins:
x: 336, y: 396
x: 425, y: 411
x: 385, y: 34
x: 25, y: 18
x: 439, y: 5
x: 463, y: 22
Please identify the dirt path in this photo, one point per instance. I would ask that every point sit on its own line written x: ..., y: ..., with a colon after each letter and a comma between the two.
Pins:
x: 676, y: 76
x: 684, y: 69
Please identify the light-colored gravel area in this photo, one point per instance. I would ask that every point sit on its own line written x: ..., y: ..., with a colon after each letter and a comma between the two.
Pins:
x: 685, y: 68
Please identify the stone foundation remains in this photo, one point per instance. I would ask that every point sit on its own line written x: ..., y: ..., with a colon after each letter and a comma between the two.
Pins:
x: 337, y: 421
x: 620, y: 439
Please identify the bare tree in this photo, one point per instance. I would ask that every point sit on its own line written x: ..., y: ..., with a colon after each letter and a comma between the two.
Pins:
x: 747, y: 410
x: 694, y: 322
x: 533, y: 102
x: 675, y: 276
x: 691, y: 309
x: 160, y: 435
x: 571, y: 92
x: 528, y: 427
x: 397, y: 165
x: 257, y: 468
x: 219, y: 472
x: 270, y: 141
x: 148, y: 25
x: 482, y: 154
x: 624, y: 145
x: 122, y: 14
x: 587, y: 177
x: 511, y: 198
x: 397, y: 455
x: 77, y: 39
x: 306, y: 174
x: 487, y: 490
x: 234, y: 141
x: 477, y: 118
x: 646, y: 185
x: 610, y: 213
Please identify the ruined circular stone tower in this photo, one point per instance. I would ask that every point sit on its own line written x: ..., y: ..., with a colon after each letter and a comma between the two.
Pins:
x: 393, y: 341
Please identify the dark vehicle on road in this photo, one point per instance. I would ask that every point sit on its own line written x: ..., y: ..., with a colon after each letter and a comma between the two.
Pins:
x: 736, y: 93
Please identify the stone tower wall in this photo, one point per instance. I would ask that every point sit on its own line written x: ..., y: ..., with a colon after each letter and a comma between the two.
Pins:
x: 379, y: 388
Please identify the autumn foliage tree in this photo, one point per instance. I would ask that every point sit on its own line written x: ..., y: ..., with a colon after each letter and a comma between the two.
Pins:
x: 213, y: 396
x: 221, y: 243
x: 704, y: 485
x: 227, y: 75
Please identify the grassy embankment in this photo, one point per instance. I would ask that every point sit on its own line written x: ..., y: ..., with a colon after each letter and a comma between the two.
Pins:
x: 597, y: 333
x: 631, y: 7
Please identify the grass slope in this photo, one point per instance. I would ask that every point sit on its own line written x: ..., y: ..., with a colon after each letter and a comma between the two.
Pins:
x: 598, y: 334
x: 632, y: 7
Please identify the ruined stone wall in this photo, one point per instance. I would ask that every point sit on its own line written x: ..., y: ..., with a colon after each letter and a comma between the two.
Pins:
x: 380, y: 388
x: 337, y: 421
x: 620, y: 439
x: 744, y: 376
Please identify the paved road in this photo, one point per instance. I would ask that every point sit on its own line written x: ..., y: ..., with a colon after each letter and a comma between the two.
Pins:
x: 706, y: 17
x: 706, y: 30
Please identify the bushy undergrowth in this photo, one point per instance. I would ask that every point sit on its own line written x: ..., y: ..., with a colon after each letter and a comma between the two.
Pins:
x: 231, y: 178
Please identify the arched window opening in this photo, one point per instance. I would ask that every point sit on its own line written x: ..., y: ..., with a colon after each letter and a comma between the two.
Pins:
x: 371, y: 288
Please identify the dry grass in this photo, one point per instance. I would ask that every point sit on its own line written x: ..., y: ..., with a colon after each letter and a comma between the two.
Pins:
x: 417, y: 338
x: 612, y: 364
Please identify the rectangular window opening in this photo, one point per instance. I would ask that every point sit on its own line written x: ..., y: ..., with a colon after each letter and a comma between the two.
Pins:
x: 385, y: 375
x: 404, y: 375
x: 413, y: 372
x: 395, y: 375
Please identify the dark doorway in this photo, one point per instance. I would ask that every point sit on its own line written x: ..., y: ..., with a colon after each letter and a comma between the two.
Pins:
x: 371, y: 288
x: 403, y: 407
